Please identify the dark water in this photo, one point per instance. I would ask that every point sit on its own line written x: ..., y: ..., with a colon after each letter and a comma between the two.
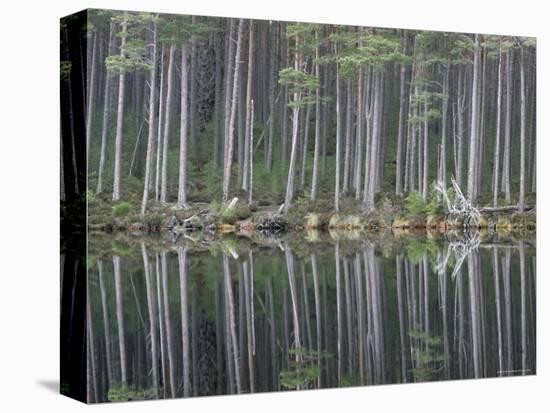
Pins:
x: 204, y: 317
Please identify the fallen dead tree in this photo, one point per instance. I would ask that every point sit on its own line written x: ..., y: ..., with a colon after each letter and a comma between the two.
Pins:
x: 458, y: 205
x: 506, y: 208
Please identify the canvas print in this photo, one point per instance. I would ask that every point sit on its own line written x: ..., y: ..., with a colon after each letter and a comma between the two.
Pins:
x: 261, y: 206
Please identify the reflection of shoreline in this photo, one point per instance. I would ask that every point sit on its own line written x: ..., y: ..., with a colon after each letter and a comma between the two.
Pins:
x: 291, y: 316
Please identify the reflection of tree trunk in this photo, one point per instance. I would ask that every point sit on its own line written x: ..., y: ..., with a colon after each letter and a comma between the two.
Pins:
x: 497, y: 303
x: 120, y: 321
x: 507, y: 308
x: 523, y: 309
x: 232, y: 324
x: 92, y: 390
x: 443, y: 302
x: 374, y: 287
x: 401, y: 314
x: 295, y: 317
x: 317, y: 308
x: 304, y: 311
x: 460, y: 321
x: 285, y: 325
x: 106, y: 331
x: 152, y: 319
x: 168, y: 326
x: 273, y: 337
x: 182, y: 260
x: 348, y: 316
x: 161, y: 324
x: 249, y: 321
x: 338, y: 311
x: 360, y: 322
x: 473, y: 274
x: 219, y: 341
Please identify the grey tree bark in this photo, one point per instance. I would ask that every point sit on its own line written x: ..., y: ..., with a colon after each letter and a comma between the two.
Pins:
x: 151, y: 122
x: 182, y: 181
x: 167, y: 120
x: 120, y: 116
x: 231, y: 130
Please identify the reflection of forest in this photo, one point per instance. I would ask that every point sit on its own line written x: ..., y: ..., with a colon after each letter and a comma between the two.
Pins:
x: 171, y: 323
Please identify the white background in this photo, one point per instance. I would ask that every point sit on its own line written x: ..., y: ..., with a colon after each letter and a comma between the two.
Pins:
x: 29, y: 230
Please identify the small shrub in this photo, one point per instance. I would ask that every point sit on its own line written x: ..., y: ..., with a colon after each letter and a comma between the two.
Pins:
x: 121, y: 209
x: 416, y: 205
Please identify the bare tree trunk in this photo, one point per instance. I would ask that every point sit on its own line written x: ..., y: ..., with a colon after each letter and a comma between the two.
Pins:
x: 91, y: 89
x: 160, y: 129
x: 231, y: 130
x: 474, y: 138
x: 339, y: 137
x: 294, y: 148
x: 496, y: 159
x: 444, y: 117
x: 373, y: 162
x: 167, y: 120
x: 317, y: 145
x: 461, y: 98
x: 521, y: 203
x: 348, y: 139
x: 507, y: 127
x: 359, y: 135
x: 401, y: 127
x: 272, y: 100
x: 305, y: 144
x: 151, y: 131
x: 182, y: 182
x: 120, y: 115
x: 425, y: 156
x: 249, y: 118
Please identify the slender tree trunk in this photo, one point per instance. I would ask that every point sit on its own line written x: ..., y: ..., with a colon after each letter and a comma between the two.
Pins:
x: 120, y: 115
x: 474, y: 138
x: 160, y: 129
x: 231, y: 130
x: 167, y: 120
x: 249, y: 118
x: 91, y: 90
x: 507, y: 127
x: 105, y: 120
x: 151, y: 123
x: 359, y: 135
x: 182, y: 182
x: 339, y: 138
x: 496, y: 159
x: 294, y: 148
x: 401, y: 127
x: 521, y: 203
x: 317, y: 145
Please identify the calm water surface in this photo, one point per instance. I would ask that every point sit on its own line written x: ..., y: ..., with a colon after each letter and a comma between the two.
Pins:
x: 194, y: 317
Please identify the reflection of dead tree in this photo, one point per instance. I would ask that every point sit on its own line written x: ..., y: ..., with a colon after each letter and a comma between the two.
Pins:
x: 459, y: 249
x: 459, y: 205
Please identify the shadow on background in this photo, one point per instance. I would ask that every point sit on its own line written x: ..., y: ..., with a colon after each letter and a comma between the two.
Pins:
x: 51, y: 385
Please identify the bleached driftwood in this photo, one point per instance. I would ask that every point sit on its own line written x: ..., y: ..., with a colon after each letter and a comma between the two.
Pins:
x: 459, y: 205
